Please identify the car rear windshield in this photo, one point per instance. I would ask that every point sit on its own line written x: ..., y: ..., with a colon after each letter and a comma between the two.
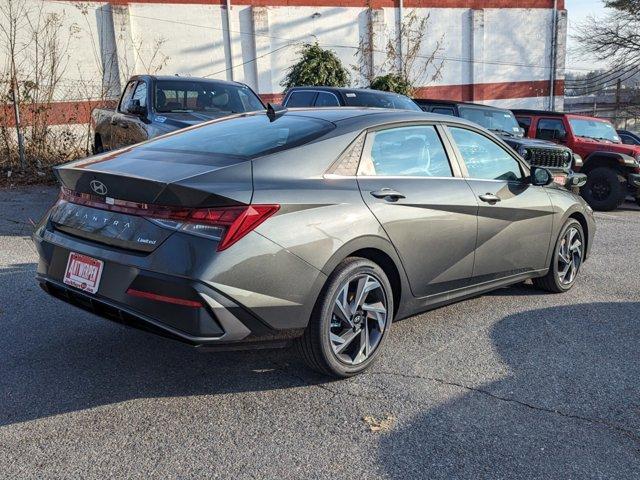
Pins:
x: 364, y: 98
x: 597, y: 130
x: 250, y: 136
x: 194, y: 96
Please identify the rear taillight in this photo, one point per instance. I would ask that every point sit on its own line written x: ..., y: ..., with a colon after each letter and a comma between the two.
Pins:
x: 226, y: 224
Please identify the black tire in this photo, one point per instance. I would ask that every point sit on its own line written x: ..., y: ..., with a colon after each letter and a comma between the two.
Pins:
x: 605, y: 189
x: 551, y: 282
x: 97, y: 145
x: 315, y: 345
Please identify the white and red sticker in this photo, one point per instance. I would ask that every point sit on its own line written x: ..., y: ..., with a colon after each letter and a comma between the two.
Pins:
x: 560, y: 179
x: 83, y: 272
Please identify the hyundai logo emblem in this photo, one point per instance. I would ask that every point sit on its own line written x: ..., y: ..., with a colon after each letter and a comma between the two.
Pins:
x: 98, y: 187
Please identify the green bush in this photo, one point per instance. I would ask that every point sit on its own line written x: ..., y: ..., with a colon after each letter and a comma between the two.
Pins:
x: 392, y: 82
x: 316, y: 66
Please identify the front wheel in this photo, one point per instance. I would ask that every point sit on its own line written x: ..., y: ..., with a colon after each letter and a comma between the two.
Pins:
x: 566, y: 261
x: 605, y: 189
x: 350, y: 321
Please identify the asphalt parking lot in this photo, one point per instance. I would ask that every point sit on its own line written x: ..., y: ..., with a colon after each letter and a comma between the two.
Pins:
x: 515, y: 384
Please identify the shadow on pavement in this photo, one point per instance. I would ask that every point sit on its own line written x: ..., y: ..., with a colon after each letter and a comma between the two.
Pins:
x: 55, y: 358
x: 569, y: 406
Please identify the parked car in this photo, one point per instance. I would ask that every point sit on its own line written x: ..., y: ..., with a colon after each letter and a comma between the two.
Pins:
x: 628, y: 137
x: 319, y: 225
x: 558, y: 159
x: 612, y: 168
x: 154, y: 105
x: 345, y: 97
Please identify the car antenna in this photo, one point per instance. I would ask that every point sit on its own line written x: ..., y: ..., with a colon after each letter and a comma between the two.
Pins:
x: 275, y: 113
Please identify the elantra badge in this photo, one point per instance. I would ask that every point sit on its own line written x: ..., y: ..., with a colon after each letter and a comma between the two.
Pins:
x: 98, y: 187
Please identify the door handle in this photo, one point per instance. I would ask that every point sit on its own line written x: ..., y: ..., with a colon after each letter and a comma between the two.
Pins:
x: 387, y: 194
x: 490, y: 198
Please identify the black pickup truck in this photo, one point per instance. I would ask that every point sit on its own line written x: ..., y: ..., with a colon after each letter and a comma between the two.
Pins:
x: 558, y: 159
x: 154, y: 105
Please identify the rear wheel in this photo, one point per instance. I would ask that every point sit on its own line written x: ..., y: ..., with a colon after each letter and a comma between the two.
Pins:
x: 566, y: 261
x: 605, y: 189
x: 350, y: 321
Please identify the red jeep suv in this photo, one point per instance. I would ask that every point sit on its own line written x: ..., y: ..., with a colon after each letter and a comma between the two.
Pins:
x: 612, y: 168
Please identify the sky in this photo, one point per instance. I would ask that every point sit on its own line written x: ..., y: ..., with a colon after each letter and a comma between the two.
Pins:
x: 578, y: 11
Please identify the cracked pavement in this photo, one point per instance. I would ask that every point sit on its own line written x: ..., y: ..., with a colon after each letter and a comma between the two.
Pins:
x: 513, y: 384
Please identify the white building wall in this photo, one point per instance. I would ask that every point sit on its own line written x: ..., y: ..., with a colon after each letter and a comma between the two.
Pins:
x: 501, y: 46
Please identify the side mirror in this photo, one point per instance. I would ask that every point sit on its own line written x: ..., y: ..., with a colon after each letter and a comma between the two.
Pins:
x: 134, y: 108
x: 577, y: 180
x: 541, y: 176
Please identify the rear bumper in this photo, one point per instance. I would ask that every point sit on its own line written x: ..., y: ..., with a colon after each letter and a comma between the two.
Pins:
x: 231, y: 312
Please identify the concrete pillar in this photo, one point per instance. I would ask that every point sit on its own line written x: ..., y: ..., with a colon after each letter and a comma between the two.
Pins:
x: 262, y: 65
x: 477, y: 52
x: 123, y: 37
x: 111, y: 85
x: 561, y: 54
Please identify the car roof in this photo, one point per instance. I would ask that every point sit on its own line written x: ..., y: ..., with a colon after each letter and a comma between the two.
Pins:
x: 433, y: 101
x: 364, y: 117
x: 344, y: 90
x: 173, y: 78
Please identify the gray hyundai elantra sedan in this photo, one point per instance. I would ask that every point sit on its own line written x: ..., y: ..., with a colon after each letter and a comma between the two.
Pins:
x: 317, y: 227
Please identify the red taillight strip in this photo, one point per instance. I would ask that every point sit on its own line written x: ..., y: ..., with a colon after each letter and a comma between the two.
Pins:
x: 237, y: 221
x: 163, y: 298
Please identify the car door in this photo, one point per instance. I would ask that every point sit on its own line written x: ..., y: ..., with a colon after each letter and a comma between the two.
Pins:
x: 515, y: 218
x: 117, y: 138
x: 415, y: 189
x: 134, y: 128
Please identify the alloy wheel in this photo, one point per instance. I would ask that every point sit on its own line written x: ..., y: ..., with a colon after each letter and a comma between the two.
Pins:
x: 570, y: 256
x: 358, y: 319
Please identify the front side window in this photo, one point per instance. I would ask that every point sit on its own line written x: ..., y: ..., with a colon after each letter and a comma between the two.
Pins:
x: 126, y: 96
x: 326, y: 99
x: 199, y: 96
x: 484, y: 158
x: 628, y: 139
x: 141, y: 94
x: 248, y: 137
x: 550, y: 129
x: 301, y: 99
x: 594, y: 129
x: 406, y: 151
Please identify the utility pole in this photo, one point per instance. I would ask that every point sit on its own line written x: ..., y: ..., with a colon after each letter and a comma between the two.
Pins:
x: 554, y: 47
x: 616, y: 112
x: 16, y: 112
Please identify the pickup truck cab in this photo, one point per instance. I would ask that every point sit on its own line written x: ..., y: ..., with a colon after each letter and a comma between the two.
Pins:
x: 557, y: 159
x: 612, y: 168
x: 154, y: 105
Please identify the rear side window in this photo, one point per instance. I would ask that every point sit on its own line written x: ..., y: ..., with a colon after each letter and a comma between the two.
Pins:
x: 406, y: 151
x: 443, y: 110
x: 249, y: 137
x: 301, y: 99
x: 485, y: 159
x: 525, y: 124
x: 326, y: 99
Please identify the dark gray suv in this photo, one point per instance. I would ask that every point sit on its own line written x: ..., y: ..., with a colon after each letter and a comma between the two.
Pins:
x: 317, y: 226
